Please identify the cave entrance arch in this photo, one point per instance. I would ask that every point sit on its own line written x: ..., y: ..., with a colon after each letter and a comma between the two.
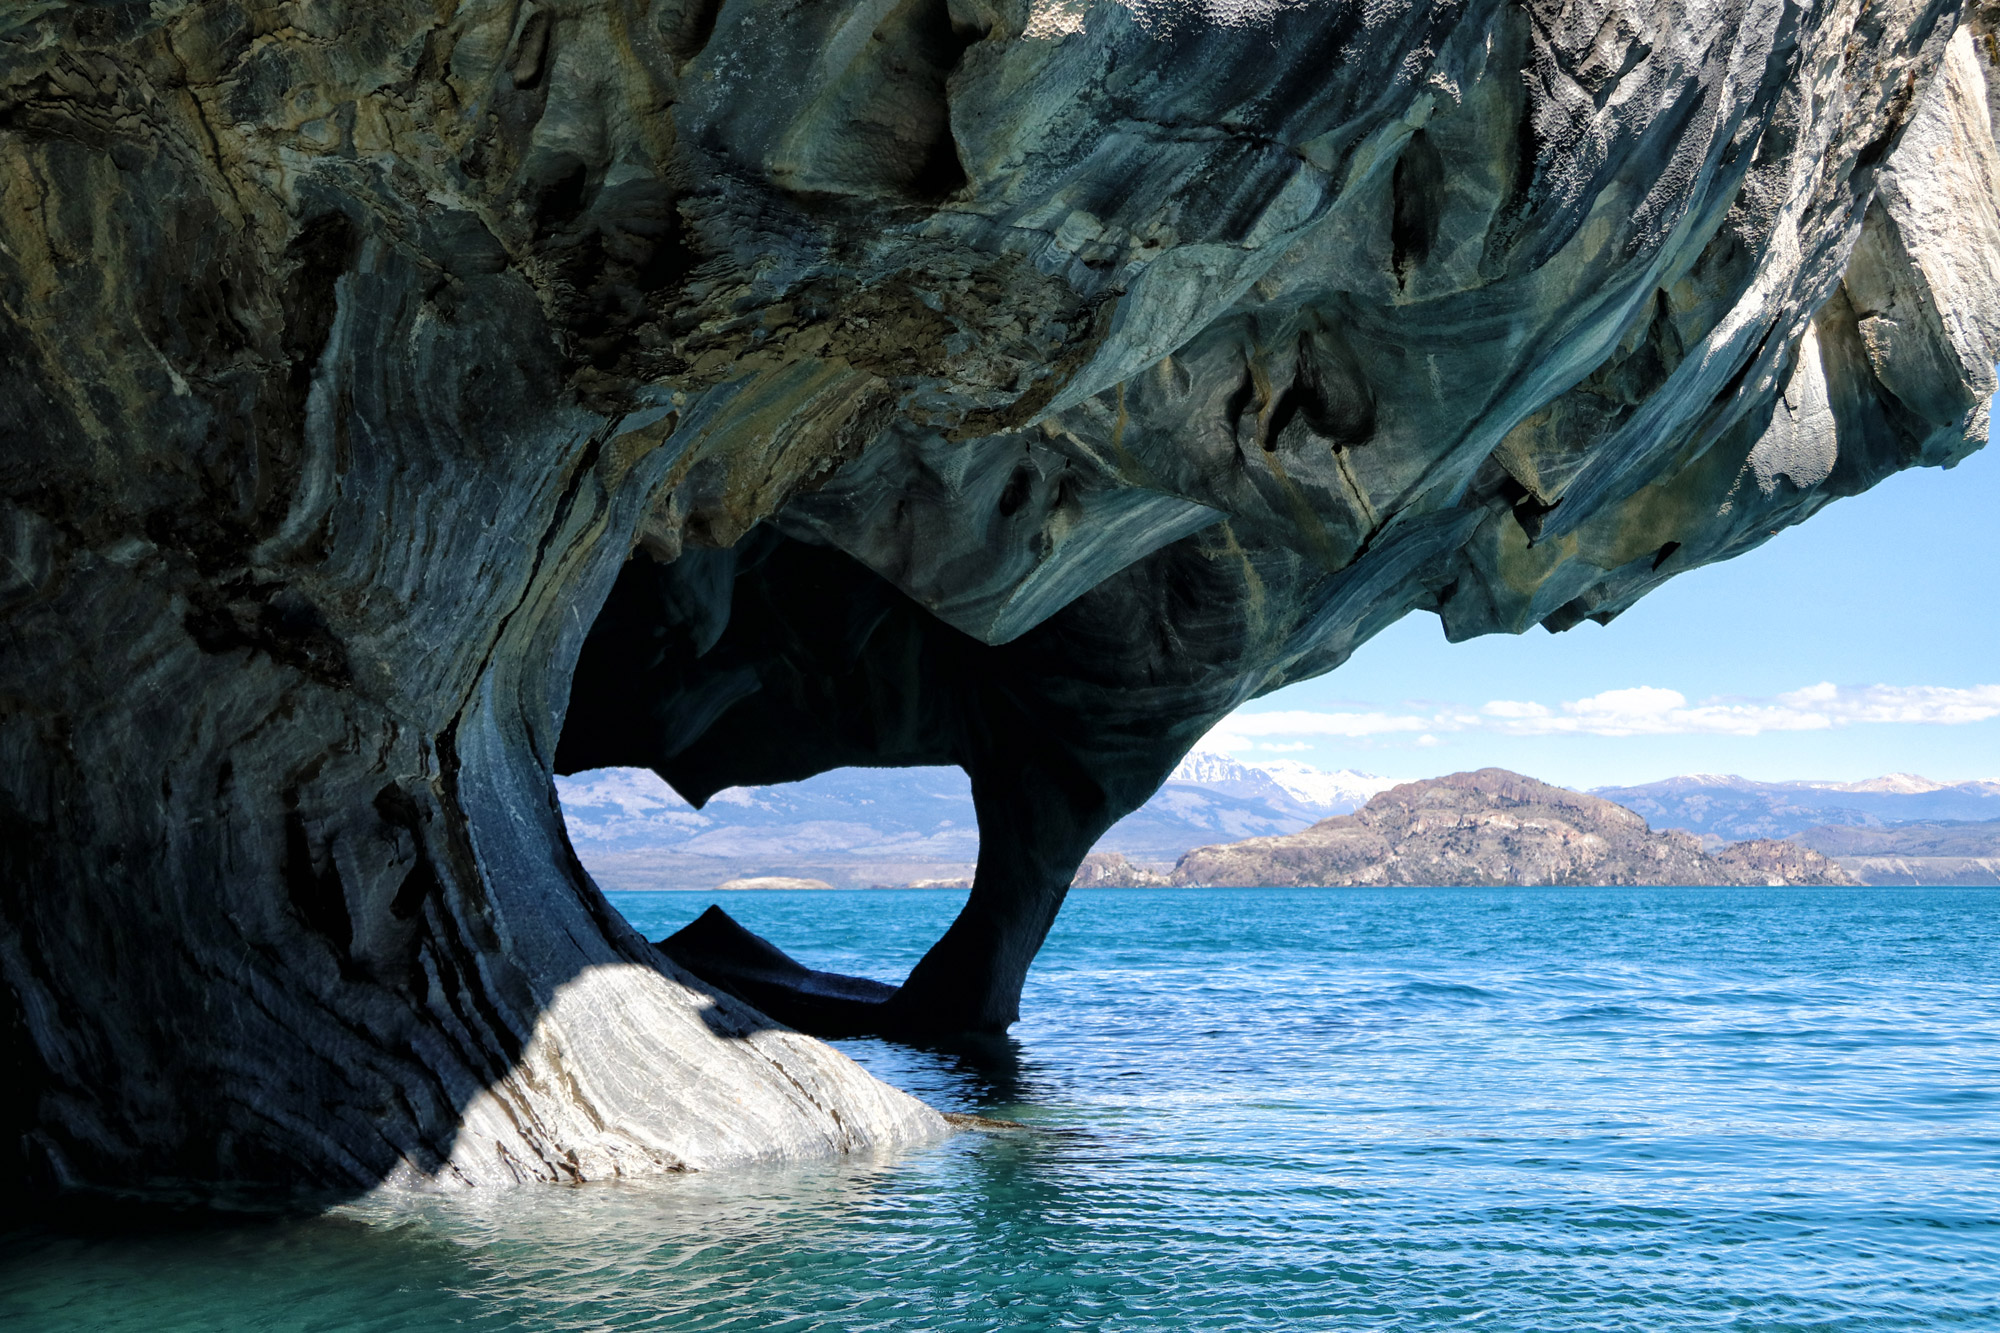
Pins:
x: 776, y: 659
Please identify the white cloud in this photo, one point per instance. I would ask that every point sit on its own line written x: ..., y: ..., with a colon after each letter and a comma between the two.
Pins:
x: 1241, y: 731
x: 1648, y: 711
x: 1296, y: 722
x: 1644, y: 710
x: 1931, y: 704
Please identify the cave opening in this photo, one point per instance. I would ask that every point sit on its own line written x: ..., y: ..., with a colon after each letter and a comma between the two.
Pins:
x: 783, y: 656
x: 777, y: 659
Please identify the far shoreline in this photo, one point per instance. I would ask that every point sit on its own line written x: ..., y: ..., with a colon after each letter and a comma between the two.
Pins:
x: 1292, y: 888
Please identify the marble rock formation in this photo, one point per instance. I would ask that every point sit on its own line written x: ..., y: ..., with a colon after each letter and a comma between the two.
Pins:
x: 402, y: 402
x: 744, y: 964
x: 1496, y: 827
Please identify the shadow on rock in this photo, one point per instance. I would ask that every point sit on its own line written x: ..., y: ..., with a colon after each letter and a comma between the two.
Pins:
x: 715, y: 948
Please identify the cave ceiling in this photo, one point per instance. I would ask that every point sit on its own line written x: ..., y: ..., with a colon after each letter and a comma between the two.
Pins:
x: 404, y: 402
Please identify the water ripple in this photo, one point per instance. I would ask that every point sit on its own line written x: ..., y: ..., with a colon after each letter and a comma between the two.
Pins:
x: 1618, y: 1109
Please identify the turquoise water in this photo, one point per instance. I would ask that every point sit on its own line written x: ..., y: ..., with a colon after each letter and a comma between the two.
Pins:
x: 1547, y: 1109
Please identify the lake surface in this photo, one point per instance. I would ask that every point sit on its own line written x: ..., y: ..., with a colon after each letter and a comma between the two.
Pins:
x: 1410, y: 1109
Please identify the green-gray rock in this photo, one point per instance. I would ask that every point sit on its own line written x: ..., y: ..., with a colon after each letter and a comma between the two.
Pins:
x: 401, y: 401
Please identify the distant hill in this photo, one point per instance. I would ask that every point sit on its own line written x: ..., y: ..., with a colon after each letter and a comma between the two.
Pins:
x: 851, y: 828
x: 1936, y: 851
x: 1735, y: 808
x: 1931, y: 837
x: 1493, y: 827
x: 859, y: 827
x: 1211, y: 796
x: 862, y: 827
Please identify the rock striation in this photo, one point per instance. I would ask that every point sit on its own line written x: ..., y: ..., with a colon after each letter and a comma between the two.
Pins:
x: 1496, y: 827
x: 402, y: 403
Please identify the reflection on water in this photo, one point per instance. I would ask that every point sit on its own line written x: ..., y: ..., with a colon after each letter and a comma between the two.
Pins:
x: 1548, y: 1109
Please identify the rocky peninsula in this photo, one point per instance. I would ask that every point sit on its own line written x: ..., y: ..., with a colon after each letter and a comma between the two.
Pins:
x: 405, y: 403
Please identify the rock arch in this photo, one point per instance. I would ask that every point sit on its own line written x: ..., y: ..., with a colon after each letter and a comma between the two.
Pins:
x: 354, y: 361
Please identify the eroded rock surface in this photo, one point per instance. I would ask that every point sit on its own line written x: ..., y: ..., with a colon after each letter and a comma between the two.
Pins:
x: 400, y: 403
x: 1496, y: 827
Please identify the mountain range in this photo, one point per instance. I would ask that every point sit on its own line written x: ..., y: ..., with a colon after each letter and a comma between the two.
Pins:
x: 1930, y: 851
x: 859, y: 826
x: 1733, y: 808
x: 863, y: 827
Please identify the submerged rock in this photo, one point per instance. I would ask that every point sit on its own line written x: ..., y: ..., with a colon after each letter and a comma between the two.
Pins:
x: 403, y: 403
x: 1496, y: 827
x: 742, y: 963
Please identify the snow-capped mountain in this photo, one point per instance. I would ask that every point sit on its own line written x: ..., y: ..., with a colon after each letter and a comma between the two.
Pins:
x: 1208, y: 766
x: 1335, y: 793
x: 1338, y: 792
x: 1735, y: 808
x: 1904, y: 784
x: 895, y: 826
x: 859, y: 827
x: 853, y: 827
x: 615, y: 805
x: 898, y: 826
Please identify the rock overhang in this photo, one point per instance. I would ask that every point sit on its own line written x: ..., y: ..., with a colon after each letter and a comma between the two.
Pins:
x: 1021, y: 386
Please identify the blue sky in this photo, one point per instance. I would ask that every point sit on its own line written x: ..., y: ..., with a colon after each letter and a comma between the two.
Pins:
x: 1888, y: 598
